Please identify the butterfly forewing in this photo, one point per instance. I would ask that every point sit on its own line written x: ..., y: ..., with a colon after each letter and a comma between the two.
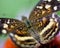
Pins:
x: 44, y: 8
x: 40, y: 17
x: 8, y: 25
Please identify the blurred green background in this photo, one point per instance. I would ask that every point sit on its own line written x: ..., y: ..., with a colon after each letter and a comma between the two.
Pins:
x: 11, y: 8
x: 16, y: 8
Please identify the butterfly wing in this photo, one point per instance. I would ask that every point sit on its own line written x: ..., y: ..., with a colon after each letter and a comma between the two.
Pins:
x: 44, y: 8
x: 49, y: 32
x: 17, y: 31
x: 48, y: 27
x: 21, y: 37
x: 41, y: 18
x: 8, y: 25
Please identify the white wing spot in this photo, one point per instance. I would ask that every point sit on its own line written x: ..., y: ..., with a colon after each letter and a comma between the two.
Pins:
x: 51, y: 20
x: 8, y: 21
x: 40, y: 7
x: 4, y: 31
x: 11, y: 34
x: 5, y: 26
x: 58, y: 0
x: 47, y: 6
x: 53, y: 15
x: 49, y: 0
x: 55, y: 7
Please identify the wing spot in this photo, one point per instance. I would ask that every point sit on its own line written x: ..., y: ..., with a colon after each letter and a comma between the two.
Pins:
x: 51, y: 20
x: 58, y: 0
x: 8, y: 21
x: 11, y: 34
x: 5, y: 26
x: 40, y: 7
x: 49, y: 0
x: 55, y: 8
x: 53, y: 15
x: 47, y: 6
x: 4, y: 31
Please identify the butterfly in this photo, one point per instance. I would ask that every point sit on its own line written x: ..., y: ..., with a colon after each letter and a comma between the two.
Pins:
x: 41, y: 26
